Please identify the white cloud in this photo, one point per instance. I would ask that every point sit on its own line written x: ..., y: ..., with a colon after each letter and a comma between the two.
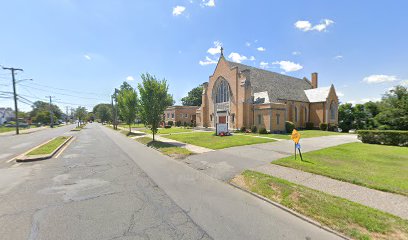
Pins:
x: 307, y: 26
x: 130, y: 78
x: 338, y: 57
x: 263, y: 64
x: 236, y: 57
x: 340, y: 94
x: 209, y: 3
x: 261, y: 49
x: 288, y: 66
x: 216, y: 49
x: 380, y: 78
x: 177, y: 10
x: 208, y: 61
x: 87, y: 57
x: 248, y: 44
x: 296, y: 53
x: 252, y: 58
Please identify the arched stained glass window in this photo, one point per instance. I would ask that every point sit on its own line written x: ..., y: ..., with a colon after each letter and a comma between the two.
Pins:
x: 222, y: 92
x: 333, y: 110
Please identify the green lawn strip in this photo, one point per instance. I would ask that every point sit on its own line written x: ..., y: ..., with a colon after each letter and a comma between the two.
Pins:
x: 209, y: 140
x: 375, y: 166
x: 10, y: 129
x: 165, y: 148
x: 303, y: 133
x: 49, y: 147
x: 135, y: 125
x: 352, y: 219
x: 168, y: 130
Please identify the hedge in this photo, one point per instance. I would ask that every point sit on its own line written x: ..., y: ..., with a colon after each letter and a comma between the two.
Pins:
x: 385, y: 137
x: 289, y: 126
x: 262, y: 130
x: 309, y: 126
x: 323, y: 126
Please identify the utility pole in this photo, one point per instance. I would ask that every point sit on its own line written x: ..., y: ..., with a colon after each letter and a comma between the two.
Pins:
x: 51, y: 112
x: 66, y: 115
x: 114, y: 113
x: 15, y: 94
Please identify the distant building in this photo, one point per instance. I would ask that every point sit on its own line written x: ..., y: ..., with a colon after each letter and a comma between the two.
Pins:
x: 6, y: 115
x: 238, y: 95
x: 182, y: 114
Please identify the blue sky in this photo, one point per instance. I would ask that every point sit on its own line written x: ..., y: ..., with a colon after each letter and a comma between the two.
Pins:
x: 91, y: 47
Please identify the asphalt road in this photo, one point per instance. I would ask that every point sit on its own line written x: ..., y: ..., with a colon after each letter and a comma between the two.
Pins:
x: 107, y: 186
x: 14, y: 145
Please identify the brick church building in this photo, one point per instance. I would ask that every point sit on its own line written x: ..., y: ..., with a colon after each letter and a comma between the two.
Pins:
x: 238, y: 95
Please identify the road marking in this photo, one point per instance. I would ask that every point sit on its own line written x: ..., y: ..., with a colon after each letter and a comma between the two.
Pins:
x: 63, y: 148
x: 14, y: 158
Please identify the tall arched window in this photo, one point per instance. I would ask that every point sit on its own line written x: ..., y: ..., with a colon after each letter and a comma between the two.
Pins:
x: 333, y: 110
x: 296, y: 114
x: 222, y: 92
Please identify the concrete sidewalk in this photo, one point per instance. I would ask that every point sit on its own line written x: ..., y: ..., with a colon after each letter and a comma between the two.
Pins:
x: 224, y: 164
x: 384, y: 201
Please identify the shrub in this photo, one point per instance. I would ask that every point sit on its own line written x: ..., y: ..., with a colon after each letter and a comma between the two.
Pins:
x: 167, y: 126
x: 323, y: 126
x: 185, y: 124
x: 332, y: 127
x: 178, y: 123
x: 243, y: 129
x: 170, y: 123
x: 289, y: 126
x: 254, y: 129
x: 385, y: 137
x: 309, y: 125
x: 262, y: 130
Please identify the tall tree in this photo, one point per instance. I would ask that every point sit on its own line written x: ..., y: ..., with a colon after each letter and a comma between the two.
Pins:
x: 80, y: 113
x: 103, y: 111
x: 152, y: 93
x: 194, y: 97
x: 41, y: 112
x: 346, y: 117
x: 394, y: 109
x: 127, y: 105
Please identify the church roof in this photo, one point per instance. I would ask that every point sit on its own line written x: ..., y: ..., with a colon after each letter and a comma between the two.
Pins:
x: 318, y: 94
x: 278, y: 86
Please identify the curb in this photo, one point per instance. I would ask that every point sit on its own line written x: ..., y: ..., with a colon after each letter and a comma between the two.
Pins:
x: 25, y: 158
x: 296, y: 214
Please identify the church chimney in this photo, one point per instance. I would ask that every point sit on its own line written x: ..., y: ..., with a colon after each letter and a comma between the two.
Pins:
x: 314, y: 80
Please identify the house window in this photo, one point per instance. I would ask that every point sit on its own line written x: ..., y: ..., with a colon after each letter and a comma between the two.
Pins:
x: 211, y: 118
x: 277, y: 119
x: 168, y: 115
x: 259, y: 118
x: 305, y: 114
x: 186, y: 115
x: 232, y: 117
x: 222, y: 92
x: 181, y: 115
x: 172, y: 115
x: 296, y: 114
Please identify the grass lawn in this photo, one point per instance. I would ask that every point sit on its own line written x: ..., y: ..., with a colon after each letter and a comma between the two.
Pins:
x: 352, y: 219
x: 209, y: 140
x: 375, y: 166
x: 135, y: 125
x: 168, y: 149
x: 49, y: 147
x: 10, y: 129
x: 303, y: 133
x: 169, y: 130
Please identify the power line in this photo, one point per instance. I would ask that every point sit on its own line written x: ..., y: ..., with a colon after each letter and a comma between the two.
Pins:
x: 68, y: 90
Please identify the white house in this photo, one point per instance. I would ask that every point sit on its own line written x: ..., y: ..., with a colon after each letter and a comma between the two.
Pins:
x: 6, y: 114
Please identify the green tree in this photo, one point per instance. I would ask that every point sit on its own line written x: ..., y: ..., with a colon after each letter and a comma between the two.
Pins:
x: 152, y: 92
x: 360, y: 116
x: 103, y: 111
x: 127, y: 105
x: 80, y: 114
x: 194, y: 97
x: 372, y: 110
x: 42, y: 109
x: 346, y: 117
x: 394, y: 109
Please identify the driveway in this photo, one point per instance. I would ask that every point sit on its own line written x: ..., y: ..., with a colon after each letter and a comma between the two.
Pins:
x: 226, y: 163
